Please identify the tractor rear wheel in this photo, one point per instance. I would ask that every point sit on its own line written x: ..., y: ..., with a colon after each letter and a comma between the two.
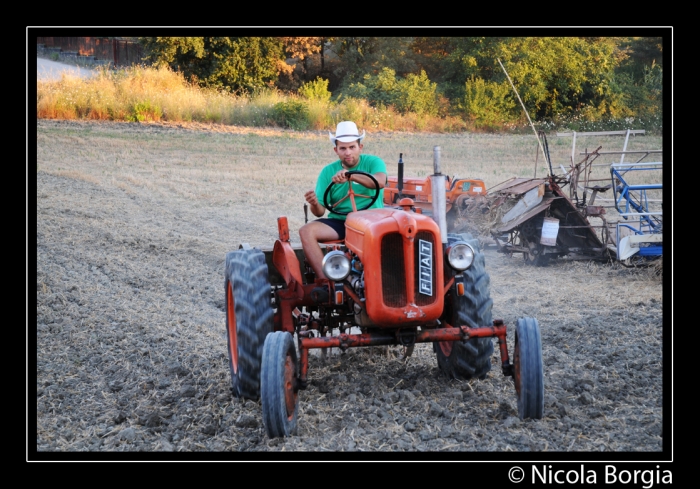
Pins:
x: 249, y: 318
x: 528, y: 373
x: 472, y: 358
x: 279, y: 388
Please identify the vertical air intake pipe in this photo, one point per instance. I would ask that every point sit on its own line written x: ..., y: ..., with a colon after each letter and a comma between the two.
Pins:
x: 438, y: 187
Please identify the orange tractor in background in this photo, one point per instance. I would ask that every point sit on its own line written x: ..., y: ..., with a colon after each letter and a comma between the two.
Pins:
x: 398, y: 278
x: 458, y: 193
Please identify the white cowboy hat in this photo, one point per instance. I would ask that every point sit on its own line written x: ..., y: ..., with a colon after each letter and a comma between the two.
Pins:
x: 346, y: 132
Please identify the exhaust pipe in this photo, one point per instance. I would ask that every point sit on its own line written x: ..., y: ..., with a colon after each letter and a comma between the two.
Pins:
x: 399, y: 184
x: 438, y: 188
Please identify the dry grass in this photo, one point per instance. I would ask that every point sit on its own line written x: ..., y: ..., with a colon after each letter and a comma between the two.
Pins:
x: 269, y: 169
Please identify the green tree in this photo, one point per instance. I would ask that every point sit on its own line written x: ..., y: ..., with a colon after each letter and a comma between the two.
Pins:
x: 553, y: 75
x: 299, y: 69
x: 640, y: 53
x: 451, y: 61
x: 358, y: 56
x: 231, y: 63
x: 641, y: 75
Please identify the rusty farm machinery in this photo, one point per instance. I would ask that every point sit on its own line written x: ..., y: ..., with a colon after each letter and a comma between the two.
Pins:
x: 568, y: 214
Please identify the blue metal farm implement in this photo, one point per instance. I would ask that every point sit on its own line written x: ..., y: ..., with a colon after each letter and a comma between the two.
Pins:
x: 632, y: 202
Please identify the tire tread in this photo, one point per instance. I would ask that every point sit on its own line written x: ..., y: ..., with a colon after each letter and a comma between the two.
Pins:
x: 248, y: 274
x: 472, y: 358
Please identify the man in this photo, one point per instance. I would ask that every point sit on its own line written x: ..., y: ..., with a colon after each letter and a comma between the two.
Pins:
x: 348, y: 147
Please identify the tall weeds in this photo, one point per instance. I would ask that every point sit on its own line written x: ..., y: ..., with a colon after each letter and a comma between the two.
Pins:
x: 141, y: 94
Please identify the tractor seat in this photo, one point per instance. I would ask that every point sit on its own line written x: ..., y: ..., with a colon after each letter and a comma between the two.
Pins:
x: 333, y: 242
x: 596, y: 189
x: 600, y: 188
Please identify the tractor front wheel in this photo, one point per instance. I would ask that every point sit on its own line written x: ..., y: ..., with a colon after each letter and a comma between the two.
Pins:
x: 528, y: 371
x: 279, y: 385
x: 471, y: 358
x: 249, y: 318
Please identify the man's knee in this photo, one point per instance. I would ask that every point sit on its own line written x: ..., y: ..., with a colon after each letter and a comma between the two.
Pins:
x: 307, y: 232
x: 317, y: 231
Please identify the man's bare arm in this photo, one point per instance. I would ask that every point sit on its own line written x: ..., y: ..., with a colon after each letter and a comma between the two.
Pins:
x: 316, y: 208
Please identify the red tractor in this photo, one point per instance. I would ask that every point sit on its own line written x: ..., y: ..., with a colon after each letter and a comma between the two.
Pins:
x: 398, y: 278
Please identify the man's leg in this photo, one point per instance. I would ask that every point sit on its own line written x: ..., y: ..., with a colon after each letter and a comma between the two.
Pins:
x: 311, y: 233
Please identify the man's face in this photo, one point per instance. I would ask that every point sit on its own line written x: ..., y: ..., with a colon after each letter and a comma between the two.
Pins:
x: 349, y: 153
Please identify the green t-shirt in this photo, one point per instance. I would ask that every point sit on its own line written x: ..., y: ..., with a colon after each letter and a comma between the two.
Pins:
x: 368, y: 163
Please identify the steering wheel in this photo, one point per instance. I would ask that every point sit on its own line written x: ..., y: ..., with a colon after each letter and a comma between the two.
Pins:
x: 351, y: 194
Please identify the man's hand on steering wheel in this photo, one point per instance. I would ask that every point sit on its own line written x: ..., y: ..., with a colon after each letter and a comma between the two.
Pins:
x: 341, y: 177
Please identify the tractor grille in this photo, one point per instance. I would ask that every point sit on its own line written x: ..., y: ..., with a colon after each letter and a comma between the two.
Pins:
x: 422, y: 299
x: 393, y: 271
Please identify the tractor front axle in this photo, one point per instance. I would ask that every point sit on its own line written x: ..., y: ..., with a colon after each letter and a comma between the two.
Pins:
x: 401, y: 337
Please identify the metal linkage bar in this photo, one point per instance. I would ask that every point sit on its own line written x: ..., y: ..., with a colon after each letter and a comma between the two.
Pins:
x: 602, y: 133
x: 641, y: 152
x: 635, y: 165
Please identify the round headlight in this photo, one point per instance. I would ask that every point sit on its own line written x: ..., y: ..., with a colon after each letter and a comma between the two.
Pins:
x: 460, y: 256
x: 336, y: 265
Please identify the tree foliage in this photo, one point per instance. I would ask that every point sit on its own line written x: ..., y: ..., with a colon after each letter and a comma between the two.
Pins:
x: 231, y: 63
x: 553, y: 75
x: 302, y: 47
x: 488, y: 104
x: 297, y: 69
x: 597, y: 77
x: 358, y: 56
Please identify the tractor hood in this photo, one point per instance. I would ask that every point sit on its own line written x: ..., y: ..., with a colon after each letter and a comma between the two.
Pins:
x: 402, y: 258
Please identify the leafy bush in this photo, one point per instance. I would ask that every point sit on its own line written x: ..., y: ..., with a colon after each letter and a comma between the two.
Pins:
x: 316, y: 90
x: 416, y: 93
x: 293, y: 114
x: 145, y: 111
x: 356, y: 91
x: 383, y: 87
x: 488, y: 104
x: 350, y: 109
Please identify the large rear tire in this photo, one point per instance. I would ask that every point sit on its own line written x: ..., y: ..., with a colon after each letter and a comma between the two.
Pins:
x: 528, y: 370
x: 472, y: 358
x: 249, y: 318
x: 279, y: 388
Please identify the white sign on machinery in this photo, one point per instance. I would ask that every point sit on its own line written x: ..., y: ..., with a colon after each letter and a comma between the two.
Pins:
x: 550, y: 229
